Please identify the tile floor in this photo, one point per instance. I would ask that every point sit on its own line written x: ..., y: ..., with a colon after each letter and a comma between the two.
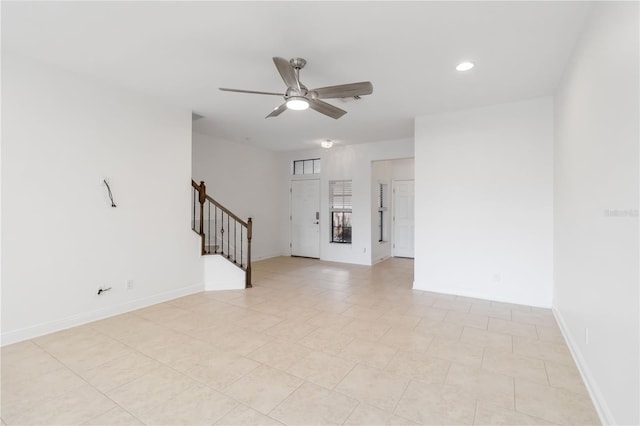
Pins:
x: 312, y: 343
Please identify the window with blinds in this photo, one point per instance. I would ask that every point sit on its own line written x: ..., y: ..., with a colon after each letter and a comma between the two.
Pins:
x: 340, y: 203
x: 306, y: 167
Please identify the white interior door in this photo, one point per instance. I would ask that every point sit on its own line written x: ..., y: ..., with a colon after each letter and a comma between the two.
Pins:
x: 403, y: 218
x: 305, y: 218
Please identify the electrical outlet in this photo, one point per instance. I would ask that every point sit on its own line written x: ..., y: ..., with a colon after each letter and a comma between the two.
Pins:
x: 129, y: 284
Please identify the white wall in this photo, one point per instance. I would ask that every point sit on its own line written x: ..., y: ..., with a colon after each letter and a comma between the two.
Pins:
x: 248, y: 181
x: 596, y: 173
x: 347, y: 162
x: 484, y: 200
x: 61, y: 239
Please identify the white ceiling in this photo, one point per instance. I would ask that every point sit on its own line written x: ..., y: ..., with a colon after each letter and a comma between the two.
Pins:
x: 181, y: 52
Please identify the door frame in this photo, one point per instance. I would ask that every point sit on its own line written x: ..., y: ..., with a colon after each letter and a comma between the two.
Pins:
x: 393, y: 214
x: 316, y: 178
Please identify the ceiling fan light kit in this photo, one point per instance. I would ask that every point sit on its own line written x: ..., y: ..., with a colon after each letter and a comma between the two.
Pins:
x: 298, y: 97
x: 297, y: 103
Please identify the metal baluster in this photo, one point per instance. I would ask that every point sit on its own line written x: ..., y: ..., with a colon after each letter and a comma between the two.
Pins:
x: 209, y: 226
x: 215, y: 229
x: 235, y: 240
x: 241, y: 241
x: 228, y: 235
x: 222, y: 232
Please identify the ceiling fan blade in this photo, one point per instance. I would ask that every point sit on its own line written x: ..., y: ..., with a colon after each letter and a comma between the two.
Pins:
x: 287, y: 72
x: 345, y: 90
x: 326, y: 109
x: 224, y: 89
x: 277, y: 111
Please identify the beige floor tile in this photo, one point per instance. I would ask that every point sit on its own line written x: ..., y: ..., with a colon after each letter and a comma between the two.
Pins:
x: 364, y: 329
x: 396, y: 320
x: 280, y: 354
x: 486, y: 339
x: 217, y: 368
x: 370, y: 353
x: 18, y: 351
x: 242, y: 341
x: 314, y: 405
x: 550, y: 334
x: 165, y: 363
x: 329, y: 320
x: 454, y: 350
x: 371, y: 386
x: 453, y: 305
x: 190, y: 321
x: 264, y: 388
x: 71, y: 340
x: 467, y: 319
x: 553, y: 404
x: 513, y: 328
x: 120, y: 371
x: 487, y: 414
x: 117, y: 416
x: 94, y: 356
x: 163, y: 313
x: 187, y: 302
x: 326, y: 340
x: 492, y: 311
x: 33, y: 365
x: 257, y: 321
x: 18, y: 395
x: 290, y: 330
x: 414, y: 365
x: 480, y: 384
x: 154, y: 388
x: 363, y: 313
x: 73, y: 407
x: 547, y: 351
x: 539, y: 317
x: 367, y: 415
x: 196, y: 405
x: 122, y: 326
x: 443, y: 329
x: 286, y: 311
x: 565, y: 376
x: 511, y: 306
x: 436, y: 404
x: 514, y: 365
x: 322, y: 369
x: 246, y: 416
x: 406, y: 340
x: 333, y: 306
x: 420, y: 310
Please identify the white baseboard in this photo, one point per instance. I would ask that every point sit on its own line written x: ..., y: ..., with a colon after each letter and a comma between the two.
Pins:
x: 605, y: 414
x: 30, y: 332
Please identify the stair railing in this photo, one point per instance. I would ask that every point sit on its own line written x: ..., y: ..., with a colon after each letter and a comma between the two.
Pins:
x: 221, y: 231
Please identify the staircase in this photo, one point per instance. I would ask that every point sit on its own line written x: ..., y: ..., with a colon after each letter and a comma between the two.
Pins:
x: 221, y: 232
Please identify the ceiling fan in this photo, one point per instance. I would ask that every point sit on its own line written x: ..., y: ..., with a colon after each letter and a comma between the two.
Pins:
x: 298, y: 97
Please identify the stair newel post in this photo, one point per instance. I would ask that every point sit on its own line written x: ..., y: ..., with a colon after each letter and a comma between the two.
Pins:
x: 249, y: 235
x: 202, y: 192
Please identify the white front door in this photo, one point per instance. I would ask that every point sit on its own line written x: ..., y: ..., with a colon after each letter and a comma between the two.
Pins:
x: 403, y: 218
x: 305, y: 218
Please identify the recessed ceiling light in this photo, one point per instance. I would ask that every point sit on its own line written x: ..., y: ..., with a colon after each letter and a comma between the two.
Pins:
x: 326, y: 144
x: 297, y: 103
x: 464, y: 66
